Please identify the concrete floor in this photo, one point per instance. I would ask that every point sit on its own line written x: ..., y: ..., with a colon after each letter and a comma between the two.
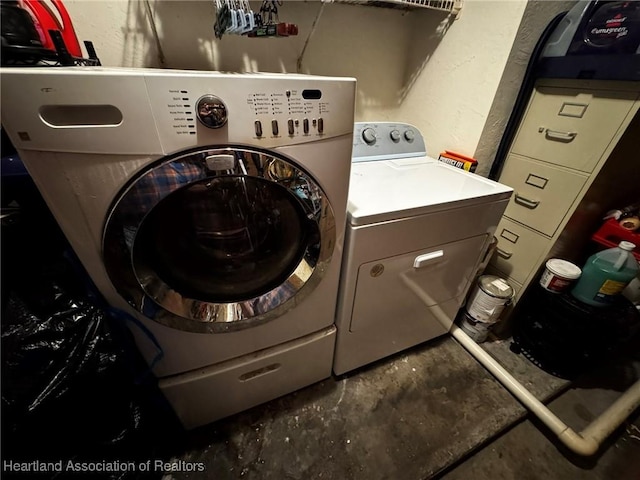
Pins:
x: 405, y: 418
x: 422, y: 414
x: 529, y: 452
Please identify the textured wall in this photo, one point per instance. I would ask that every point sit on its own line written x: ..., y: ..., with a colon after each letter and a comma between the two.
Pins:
x: 452, y: 93
x: 536, y: 17
x: 363, y: 42
x: 119, y: 30
x: 420, y: 67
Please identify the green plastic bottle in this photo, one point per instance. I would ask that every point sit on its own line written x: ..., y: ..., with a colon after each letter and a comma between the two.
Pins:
x: 606, y: 274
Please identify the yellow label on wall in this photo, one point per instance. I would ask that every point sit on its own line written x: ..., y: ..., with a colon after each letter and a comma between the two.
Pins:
x: 611, y: 287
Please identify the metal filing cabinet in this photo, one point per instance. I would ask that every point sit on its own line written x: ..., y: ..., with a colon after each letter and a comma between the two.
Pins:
x: 566, y: 135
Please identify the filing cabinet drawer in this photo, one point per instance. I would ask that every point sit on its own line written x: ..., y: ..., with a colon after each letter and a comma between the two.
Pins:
x: 519, y: 250
x: 542, y: 193
x: 571, y: 127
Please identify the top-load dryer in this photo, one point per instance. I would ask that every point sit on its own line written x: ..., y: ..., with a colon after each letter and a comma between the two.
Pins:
x: 208, y: 206
x: 412, y: 221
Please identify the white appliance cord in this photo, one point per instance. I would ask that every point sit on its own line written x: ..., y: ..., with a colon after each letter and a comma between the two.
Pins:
x: 584, y: 443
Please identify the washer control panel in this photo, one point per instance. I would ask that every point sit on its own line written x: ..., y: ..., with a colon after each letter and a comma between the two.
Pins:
x: 290, y: 113
x: 156, y: 111
x: 386, y: 140
x: 266, y: 110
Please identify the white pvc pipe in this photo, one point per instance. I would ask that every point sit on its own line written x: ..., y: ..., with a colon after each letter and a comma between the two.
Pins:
x: 585, y: 443
x: 510, y: 383
x: 605, y: 424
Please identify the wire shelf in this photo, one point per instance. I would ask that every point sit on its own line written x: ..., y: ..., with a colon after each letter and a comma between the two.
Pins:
x: 451, y: 6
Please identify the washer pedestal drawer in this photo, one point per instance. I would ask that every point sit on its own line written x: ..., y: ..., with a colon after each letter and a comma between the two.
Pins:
x: 208, y: 394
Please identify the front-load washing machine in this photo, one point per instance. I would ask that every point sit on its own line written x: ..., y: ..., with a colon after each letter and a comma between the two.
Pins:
x: 417, y: 231
x: 208, y: 206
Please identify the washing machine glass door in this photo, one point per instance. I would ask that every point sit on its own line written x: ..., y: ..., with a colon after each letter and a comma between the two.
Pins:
x: 219, y: 239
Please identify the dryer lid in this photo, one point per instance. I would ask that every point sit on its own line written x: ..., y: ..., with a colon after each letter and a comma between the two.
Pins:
x: 394, y: 189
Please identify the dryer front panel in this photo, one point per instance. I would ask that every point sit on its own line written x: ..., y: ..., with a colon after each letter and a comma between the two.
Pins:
x: 219, y: 239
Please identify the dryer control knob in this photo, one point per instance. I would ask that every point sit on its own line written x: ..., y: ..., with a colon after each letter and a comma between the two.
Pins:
x: 409, y: 136
x: 395, y: 135
x: 211, y: 111
x: 369, y: 136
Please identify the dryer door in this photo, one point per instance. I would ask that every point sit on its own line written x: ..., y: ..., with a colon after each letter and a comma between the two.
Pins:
x: 219, y: 239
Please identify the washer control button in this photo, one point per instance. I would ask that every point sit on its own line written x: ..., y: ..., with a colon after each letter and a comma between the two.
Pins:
x: 305, y: 125
x: 320, y: 125
x: 211, y: 111
x: 274, y: 127
x: 395, y: 135
x: 290, y: 127
x: 258, y: 126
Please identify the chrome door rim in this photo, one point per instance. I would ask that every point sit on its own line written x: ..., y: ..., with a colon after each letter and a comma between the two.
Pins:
x: 151, y: 296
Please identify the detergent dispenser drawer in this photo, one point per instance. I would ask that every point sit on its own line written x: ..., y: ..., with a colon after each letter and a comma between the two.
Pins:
x: 440, y: 275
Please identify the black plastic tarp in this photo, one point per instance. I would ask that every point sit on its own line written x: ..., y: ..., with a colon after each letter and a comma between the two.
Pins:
x: 73, y: 385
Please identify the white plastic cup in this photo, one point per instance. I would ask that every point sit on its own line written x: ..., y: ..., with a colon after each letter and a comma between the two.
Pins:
x: 558, y: 275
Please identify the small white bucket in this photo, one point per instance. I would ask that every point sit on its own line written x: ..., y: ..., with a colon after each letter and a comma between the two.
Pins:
x: 489, y: 298
x: 558, y: 275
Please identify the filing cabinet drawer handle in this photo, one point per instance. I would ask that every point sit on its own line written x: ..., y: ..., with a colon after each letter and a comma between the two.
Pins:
x: 504, y: 254
x: 559, y: 136
x: 525, y: 202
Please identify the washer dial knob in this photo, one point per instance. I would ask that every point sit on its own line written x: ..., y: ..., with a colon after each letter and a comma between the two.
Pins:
x: 211, y: 111
x: 395, y: 135
x: 409, y: 136
x: 369, y: 136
